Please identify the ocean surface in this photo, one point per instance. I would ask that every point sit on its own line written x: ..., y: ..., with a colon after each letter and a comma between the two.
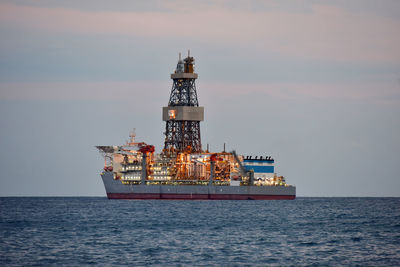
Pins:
x: 94, y: 230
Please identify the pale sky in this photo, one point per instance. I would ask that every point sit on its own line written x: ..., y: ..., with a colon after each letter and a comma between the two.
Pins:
x: 314, y: 84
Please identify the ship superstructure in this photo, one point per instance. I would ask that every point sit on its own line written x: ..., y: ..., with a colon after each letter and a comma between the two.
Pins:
x: 183, y: 170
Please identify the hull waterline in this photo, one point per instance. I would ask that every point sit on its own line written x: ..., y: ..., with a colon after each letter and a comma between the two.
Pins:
x: 115, y: 189
x: 198, y: 197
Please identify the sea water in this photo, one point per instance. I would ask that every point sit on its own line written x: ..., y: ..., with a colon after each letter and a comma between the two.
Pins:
x: 307, y: 231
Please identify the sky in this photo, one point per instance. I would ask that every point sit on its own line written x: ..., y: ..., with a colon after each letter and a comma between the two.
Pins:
x: 314, y: 84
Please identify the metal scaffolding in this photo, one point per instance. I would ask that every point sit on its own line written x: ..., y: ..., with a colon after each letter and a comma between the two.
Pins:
x: 183, y: 124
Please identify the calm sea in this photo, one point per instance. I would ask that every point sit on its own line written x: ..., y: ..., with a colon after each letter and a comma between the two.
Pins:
x: 307, y: 231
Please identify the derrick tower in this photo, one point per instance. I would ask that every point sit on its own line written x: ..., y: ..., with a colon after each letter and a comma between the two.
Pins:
x: 183, y: 114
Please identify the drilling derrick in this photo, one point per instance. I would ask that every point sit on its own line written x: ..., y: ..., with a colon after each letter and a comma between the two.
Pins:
x: 183, y: 114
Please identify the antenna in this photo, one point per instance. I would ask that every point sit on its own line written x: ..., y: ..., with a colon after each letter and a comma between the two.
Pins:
x: 180, y: 56
x: 189, y: 53
x: 132, y: 135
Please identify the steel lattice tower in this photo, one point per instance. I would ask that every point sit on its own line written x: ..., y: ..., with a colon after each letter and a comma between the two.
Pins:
x: 183, y: 114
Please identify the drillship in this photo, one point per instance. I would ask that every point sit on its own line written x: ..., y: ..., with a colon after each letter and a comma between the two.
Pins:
x: 183, y: 170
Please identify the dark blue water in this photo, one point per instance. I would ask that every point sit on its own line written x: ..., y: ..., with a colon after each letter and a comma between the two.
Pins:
x: 306, y: 231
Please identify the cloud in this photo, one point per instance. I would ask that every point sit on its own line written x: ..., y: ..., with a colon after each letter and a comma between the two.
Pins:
x: 370, y: 92
x: 325, y: 33
x: 140, y: 93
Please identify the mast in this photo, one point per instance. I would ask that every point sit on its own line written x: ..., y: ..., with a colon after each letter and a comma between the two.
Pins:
x: 183, y: 114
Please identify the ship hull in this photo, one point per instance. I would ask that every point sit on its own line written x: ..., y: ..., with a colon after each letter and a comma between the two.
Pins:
x: 199, y: 196
x: 116, y: 190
